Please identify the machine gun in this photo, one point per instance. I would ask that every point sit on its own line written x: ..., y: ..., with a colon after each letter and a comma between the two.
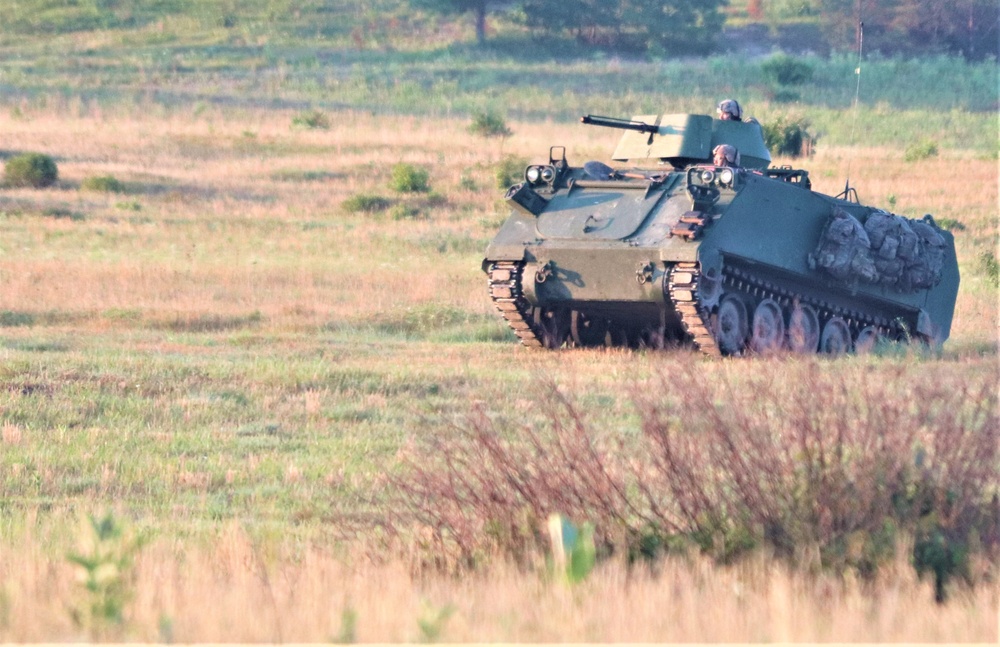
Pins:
x: 623, y: 124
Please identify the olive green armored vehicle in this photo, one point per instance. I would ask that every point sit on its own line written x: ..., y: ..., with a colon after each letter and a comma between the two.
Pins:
x: 673, y: 249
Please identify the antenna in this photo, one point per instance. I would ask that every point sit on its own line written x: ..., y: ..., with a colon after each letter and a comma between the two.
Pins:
x: 857, y: 96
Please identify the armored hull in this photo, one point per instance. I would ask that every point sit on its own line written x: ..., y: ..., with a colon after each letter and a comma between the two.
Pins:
x: 730, y: 260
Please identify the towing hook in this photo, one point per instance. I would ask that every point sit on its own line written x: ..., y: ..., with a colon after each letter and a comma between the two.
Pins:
x: 645, y: 273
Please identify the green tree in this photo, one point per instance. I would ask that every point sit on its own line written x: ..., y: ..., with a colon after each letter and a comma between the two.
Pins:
x: 668, y: 26
x: 964, y: 27
x: 478, y: 8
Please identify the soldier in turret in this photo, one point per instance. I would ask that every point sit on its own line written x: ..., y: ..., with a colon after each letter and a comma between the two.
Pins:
x: 729, y: 110
x: 726, y: 155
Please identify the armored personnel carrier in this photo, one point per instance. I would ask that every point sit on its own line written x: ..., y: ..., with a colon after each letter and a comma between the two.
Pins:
x: 673, y: 249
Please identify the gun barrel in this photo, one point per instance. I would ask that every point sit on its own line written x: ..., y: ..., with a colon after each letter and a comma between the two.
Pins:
x: 614, y: 122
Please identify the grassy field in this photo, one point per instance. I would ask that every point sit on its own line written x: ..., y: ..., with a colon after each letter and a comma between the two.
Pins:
x: 231, y: 361
x: 234, y: 363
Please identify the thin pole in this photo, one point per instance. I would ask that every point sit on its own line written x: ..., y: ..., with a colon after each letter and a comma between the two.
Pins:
x: 857, y: 96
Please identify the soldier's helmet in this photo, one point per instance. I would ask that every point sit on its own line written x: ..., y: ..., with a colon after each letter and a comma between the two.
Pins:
x: 729, y: 110
x: 725, y: 155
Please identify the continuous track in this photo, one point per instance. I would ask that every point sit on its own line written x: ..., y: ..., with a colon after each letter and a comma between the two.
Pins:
x: 699, y: 313
x: 505, y: 290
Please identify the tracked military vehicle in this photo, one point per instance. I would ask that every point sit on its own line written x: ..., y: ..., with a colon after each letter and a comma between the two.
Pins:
x: 672, y: 249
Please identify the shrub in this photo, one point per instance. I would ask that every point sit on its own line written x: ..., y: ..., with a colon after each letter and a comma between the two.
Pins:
x: 921, y: 150
x: 990, y: 267
x: 405, y: 212
x: 12, y: 318
x: 407, y: 178
x: 951, y: 224
x: 31, y: 170
x: 787, y: 135
x: 844, y: 477
x: 784, y: 95
x: 311, y: 120
x: 105, y: 183
x: 366, y: 203
x: 60, y: 212
x: 489, y: 124
x: 786, y: 70
x: 509, y: 171
x: 467, y: 182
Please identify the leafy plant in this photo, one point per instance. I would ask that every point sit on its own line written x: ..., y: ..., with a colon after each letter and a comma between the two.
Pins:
x: 940, y: 554
x: 788, y: 135
x: 311, y: 120
x: 105, y: 183
x: 951, y: 224
x: 489, y: 124
x: 990, y: 267
x: 407, y: 178
x: 509, y: 171
x: 468, y: 182
x: 60, y: 212
x: 348, y: 627
x: 786, y: 70
x: 104, y: 568
x: 364, y: 202
x: 432, y: 622
x: 31, y: 170
x: 405, y: 212
x: 924, y: 149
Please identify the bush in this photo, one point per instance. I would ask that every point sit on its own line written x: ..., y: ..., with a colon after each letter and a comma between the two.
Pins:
x: 785, y: 95
x: 951, y: 224
x: 786, y: 70
x: 468, y: 182
x: 787, y: 136
x: 489, y: 124
x: 366, y: 203
x: 991, y: 268
x: 61, y: 212
x: 311, y: 120
x: 405, y: 212
x: 31, y: 170
x: 845, y: 477
x: 105, y: 183
x: 921, y: 150
x: 407, y: 178
x: 509, y: 171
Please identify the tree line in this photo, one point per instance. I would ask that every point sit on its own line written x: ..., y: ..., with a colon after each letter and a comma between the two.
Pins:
x: 967, y: 28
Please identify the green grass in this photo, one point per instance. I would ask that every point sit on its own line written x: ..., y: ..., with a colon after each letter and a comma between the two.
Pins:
x: 275, y: 64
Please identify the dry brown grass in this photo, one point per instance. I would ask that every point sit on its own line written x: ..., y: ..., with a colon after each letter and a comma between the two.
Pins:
x: 220, y: 231
x: 232, y: 590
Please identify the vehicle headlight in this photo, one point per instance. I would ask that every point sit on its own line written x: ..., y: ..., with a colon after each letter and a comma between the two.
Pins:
x: 726, y: 176
x: 548, y: 174
x: 707, y: 176
x: 532, y: 174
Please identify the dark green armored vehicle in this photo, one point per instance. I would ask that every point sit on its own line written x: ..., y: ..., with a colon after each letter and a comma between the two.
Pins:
x: 675, y: 249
